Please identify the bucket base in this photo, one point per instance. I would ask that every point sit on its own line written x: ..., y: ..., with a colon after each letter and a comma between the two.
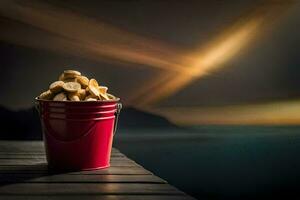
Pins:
x: 55, y: 169
x: 95, y: 168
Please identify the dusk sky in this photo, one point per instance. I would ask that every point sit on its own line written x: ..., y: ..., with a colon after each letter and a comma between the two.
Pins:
x: 173, y: 58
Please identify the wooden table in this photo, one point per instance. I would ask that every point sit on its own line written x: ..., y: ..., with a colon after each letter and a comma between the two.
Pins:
x: 24, y: 175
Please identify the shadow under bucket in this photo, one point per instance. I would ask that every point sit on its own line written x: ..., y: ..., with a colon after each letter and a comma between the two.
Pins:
x: 78, y: 135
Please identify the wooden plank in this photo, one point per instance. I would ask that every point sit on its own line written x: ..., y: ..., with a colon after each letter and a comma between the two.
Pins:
x: 43, y: 169
x: 87, y: 188
x: 43, y: 159
x: 97, y: 197
x: 41, y: 153
x: 21, y: 146
x: 66, y: 178
x: 22, y: 153
x: 115, y: 161
x: 32, y: 151
x: 30, y: 155
x: 24, y: 175
x: 21, y: 156
x: 32, y: 162
x: 27, y: 146
x: 2, y: 153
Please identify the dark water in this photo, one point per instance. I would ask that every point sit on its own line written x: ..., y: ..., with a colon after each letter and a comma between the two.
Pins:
x: 220, y: 162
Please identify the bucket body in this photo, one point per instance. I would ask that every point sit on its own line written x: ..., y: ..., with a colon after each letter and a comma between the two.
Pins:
x: 78, y: 135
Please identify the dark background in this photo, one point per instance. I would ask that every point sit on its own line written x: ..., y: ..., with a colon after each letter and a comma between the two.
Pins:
x: 268, y: 71
x: 208, y: 162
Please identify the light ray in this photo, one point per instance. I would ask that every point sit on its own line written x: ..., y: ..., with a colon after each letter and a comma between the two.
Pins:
x: 94, y: 36
x: 72, y: 33
x: 211, y: 57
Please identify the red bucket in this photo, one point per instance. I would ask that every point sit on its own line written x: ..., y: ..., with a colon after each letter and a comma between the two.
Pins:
x: 78, y: 135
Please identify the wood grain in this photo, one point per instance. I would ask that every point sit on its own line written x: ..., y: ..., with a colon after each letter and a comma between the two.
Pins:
x: 24, y: 174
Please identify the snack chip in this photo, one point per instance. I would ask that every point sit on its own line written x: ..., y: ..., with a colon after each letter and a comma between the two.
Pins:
x: 82, y: 94
x: 60, y: 97
x: 72, y: 72
x: 103, y: 91
x: 73, y: 97
x: 83, y: 80
x: 46, y: 95
x: 72, y: 86
x: 93, y: 88
x: 90, y: 98
x: 56, y: 86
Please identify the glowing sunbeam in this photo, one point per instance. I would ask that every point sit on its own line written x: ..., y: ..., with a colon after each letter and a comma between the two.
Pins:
x: 149, y: 86
x: 69, y: 32
x: 227, y: 47
x: 208, y: 60
x: 215, y: 54
x: 96, y: 38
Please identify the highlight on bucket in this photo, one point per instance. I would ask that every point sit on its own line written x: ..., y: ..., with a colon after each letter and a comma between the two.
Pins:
x: 79, y: 119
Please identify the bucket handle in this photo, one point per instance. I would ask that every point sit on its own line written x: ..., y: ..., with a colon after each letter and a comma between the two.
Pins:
x: 117, y: 113
x: 37, y: 106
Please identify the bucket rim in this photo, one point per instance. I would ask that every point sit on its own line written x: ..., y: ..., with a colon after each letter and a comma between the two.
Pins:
x: 81, y: 102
